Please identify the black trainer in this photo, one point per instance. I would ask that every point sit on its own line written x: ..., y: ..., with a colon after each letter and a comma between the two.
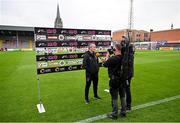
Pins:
x: 128, y: 108
x: 122, y: 114
x: 112, y: 116
x: 87, y: 101
x: 97, y: 98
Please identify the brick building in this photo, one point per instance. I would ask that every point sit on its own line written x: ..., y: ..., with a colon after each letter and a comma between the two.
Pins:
x: 163, y: 40
x: 137, y: 35
x: 169, y: 36
x: 167, y: 39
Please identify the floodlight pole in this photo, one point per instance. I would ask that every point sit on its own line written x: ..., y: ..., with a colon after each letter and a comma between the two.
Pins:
x: 130, y: 22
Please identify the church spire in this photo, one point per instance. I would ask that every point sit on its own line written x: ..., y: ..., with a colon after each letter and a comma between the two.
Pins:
x: 58, y: 13
x: 58, y: 21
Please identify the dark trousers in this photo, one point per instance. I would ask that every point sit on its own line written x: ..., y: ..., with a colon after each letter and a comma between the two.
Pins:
x: 89, y: 78
x: 114, y: 99
x: 128, y: 92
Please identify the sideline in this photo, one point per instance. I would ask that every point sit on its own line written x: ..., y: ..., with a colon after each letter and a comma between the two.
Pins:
x: 99, y: 117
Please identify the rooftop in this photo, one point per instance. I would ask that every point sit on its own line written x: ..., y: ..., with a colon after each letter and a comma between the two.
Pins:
x: 16, y: 28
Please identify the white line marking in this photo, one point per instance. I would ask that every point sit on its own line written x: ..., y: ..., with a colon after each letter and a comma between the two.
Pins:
x: 99, y: 117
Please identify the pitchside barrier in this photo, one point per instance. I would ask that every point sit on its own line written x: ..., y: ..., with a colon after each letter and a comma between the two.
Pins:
x: 62, y: 49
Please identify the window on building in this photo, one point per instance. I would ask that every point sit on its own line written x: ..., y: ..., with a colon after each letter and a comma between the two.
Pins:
x: 138, y: 35
x: 145, y: 34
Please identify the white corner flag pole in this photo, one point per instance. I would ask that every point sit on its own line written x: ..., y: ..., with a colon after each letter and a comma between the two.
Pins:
x: 40, y: 106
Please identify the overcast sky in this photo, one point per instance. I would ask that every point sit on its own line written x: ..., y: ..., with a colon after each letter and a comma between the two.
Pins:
x: 91, y: 14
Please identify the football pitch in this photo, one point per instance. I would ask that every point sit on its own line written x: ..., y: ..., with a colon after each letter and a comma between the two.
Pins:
x: 157, y: 76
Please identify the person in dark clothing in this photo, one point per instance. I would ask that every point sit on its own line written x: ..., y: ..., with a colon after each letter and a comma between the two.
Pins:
x: 116, y: 84
x: 130, y: 74
x: 91, y: 65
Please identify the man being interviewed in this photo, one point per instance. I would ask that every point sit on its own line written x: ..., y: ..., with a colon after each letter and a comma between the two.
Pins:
x: 91, y: 65
x: 114, y: 65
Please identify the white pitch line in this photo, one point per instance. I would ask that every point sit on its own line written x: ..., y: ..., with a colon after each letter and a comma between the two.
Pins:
x: 99, y: 117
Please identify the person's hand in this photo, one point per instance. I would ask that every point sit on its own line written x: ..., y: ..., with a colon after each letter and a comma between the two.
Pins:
x: 107, y: 56
x: 103, y: 59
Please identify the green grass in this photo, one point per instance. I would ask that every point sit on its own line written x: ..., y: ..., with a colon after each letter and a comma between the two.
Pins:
x: 166, y: 112
x: 156, y: 77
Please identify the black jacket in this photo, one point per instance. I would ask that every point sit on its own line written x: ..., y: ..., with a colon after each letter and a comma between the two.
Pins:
x: 114, y: 68
x: 112, y: 64
x: 130, y: 60
x: 90, y: 63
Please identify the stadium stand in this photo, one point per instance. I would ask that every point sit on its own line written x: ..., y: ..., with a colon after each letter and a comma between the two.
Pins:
x: 16, y: 38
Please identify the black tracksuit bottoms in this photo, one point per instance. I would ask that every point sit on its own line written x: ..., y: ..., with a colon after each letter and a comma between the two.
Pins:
x: 91, y: 77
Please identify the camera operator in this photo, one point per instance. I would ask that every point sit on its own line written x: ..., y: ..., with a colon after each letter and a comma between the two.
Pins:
x: 90, y: 63
x: 116, y: 85
x: 130, y: 73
